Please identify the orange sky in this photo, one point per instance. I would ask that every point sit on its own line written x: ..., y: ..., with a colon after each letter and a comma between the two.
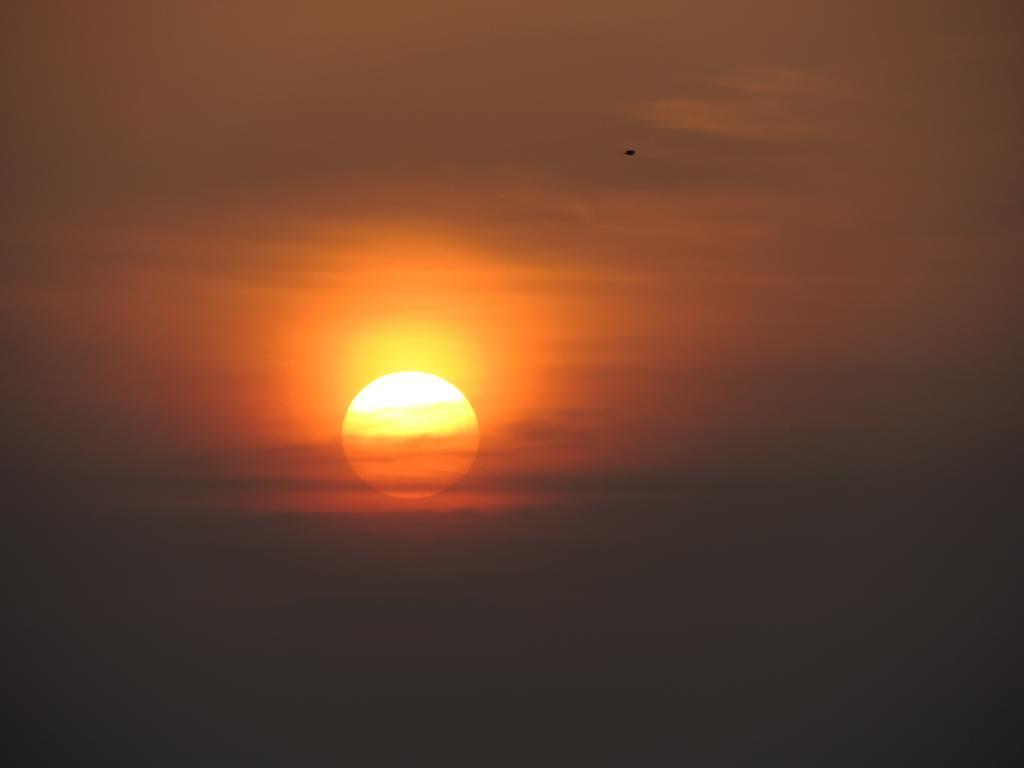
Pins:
x: 748, y: 486
x: 223, y: 221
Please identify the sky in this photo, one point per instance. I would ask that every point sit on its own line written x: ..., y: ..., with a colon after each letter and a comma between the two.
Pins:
x: 748, y: 400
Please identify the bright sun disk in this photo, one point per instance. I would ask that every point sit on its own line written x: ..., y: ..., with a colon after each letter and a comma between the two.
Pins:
x: 410, y: 434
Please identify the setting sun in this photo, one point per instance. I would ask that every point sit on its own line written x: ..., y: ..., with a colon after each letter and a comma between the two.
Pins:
x: 410, y: 434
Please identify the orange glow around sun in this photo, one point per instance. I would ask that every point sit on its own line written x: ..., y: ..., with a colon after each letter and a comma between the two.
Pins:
x: 448, y: 311
x: 410, y: 434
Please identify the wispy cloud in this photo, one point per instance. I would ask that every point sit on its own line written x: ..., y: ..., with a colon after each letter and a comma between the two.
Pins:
x: 770, y: 105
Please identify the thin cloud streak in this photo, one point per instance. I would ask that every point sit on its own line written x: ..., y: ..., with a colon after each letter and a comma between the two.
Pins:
x: 768, y: 106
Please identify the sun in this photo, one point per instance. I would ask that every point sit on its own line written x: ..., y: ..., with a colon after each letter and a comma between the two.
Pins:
x: 410, y: 434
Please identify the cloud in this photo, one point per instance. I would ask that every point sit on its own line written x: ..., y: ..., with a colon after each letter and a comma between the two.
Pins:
x: 563, y: 429
x: 765, y: 106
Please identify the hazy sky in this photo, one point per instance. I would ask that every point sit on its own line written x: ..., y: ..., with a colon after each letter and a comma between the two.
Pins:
x: 219, y: 221
x: 217, y: 217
